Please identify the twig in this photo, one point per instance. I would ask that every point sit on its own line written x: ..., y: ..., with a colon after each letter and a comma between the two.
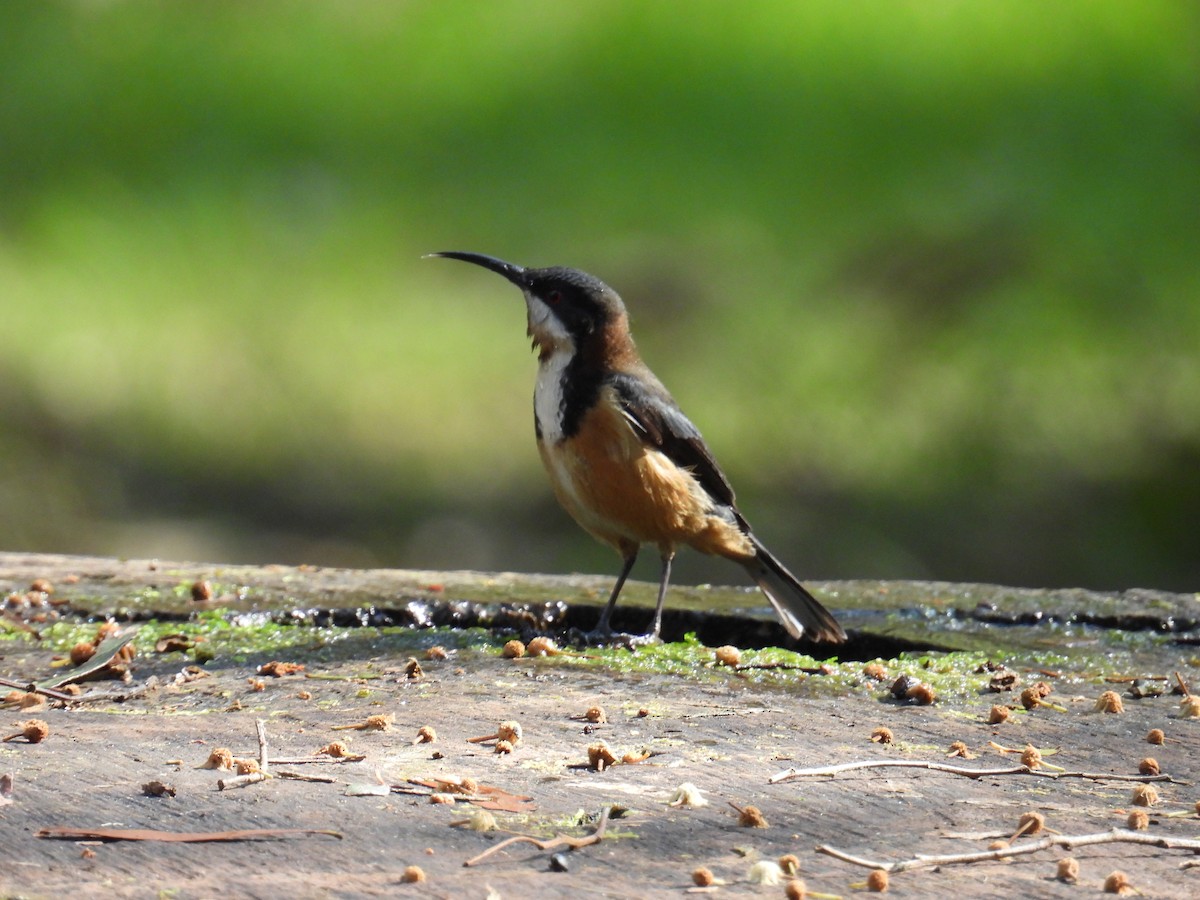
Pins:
x: 225, y: 784
x: 300, y: 776
x: 261, y: 727
x: 191, y: 837
x: 119, y: 696
x: 789, y: 774
x: 30, y: 688
x: 1116, y: 835
x: 553, y: 844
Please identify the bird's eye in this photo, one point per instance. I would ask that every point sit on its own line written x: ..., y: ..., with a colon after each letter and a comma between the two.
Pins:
x: 554, y: 297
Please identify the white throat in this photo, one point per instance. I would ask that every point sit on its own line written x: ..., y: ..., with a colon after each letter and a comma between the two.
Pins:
x: 548, y: 393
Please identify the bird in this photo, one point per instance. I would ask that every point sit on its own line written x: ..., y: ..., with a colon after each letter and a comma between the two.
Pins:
x: 623, y: 459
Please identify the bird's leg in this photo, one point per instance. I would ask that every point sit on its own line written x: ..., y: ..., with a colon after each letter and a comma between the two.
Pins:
x: 603, y: 628
x: 662, y: 594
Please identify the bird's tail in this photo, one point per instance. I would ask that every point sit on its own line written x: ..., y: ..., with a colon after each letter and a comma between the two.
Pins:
x: 799, y: 611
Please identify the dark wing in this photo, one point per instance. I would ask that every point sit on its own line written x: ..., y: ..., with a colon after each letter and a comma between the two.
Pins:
x: 659, y: 421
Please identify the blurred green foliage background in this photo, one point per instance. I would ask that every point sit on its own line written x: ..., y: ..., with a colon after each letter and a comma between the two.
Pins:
x: 926, y: 274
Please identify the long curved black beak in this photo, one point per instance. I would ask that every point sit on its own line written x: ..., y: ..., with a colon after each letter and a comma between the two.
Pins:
x: 511, y: 271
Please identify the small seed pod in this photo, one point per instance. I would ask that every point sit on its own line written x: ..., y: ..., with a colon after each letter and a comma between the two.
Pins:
x: 1156, y: 736
x: 703, y: 877
x: 1138, y: 820
x: 435, y: 653
x: 1031, y: 756
x: 337, y: 750
x: 509, y: 731
x: 542, y: 646
x: 727, y: 655
x: 1030, y: 698
x: 425, y: 735
x: 246, y: 766
x: 595, y: 715
x: 33, y: 730
x: 1031, y: 823
x: 1189, y: 707
x: 442, y: 798
x: 513, y: 650
x: 998, y: 715
x: 922, y: 694
x: 201, y: 591
x: 600, y: 757
x: 1068, y: 870
x: 875, y: 671
x: 882, y: 735
x: 379, y: 722
x: 790, y: 863
x: 502, y: 747
x: 1149, y: 766
x: 877, y: 881
x: 1117, y: 883
x: 220, y: 758
x: 1144, y: 795
x: 1110, y: 702
x: 796, y: 889
x: 751, y: 817
x: 412, y: 669
x: 959, y: 748
x: 413, y: 875
x: 82, y: 652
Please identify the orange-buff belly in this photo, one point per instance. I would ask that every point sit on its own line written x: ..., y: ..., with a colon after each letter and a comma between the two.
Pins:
x: 624, y: 492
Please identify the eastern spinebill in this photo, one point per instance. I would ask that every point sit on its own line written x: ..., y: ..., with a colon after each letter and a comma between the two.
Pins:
x: 624, y: 460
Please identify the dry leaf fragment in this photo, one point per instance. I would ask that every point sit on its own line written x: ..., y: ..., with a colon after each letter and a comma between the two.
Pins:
x: 158, y: 789
x: 765, y: 871
x: 378, y: 722
x: 277, y: 669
